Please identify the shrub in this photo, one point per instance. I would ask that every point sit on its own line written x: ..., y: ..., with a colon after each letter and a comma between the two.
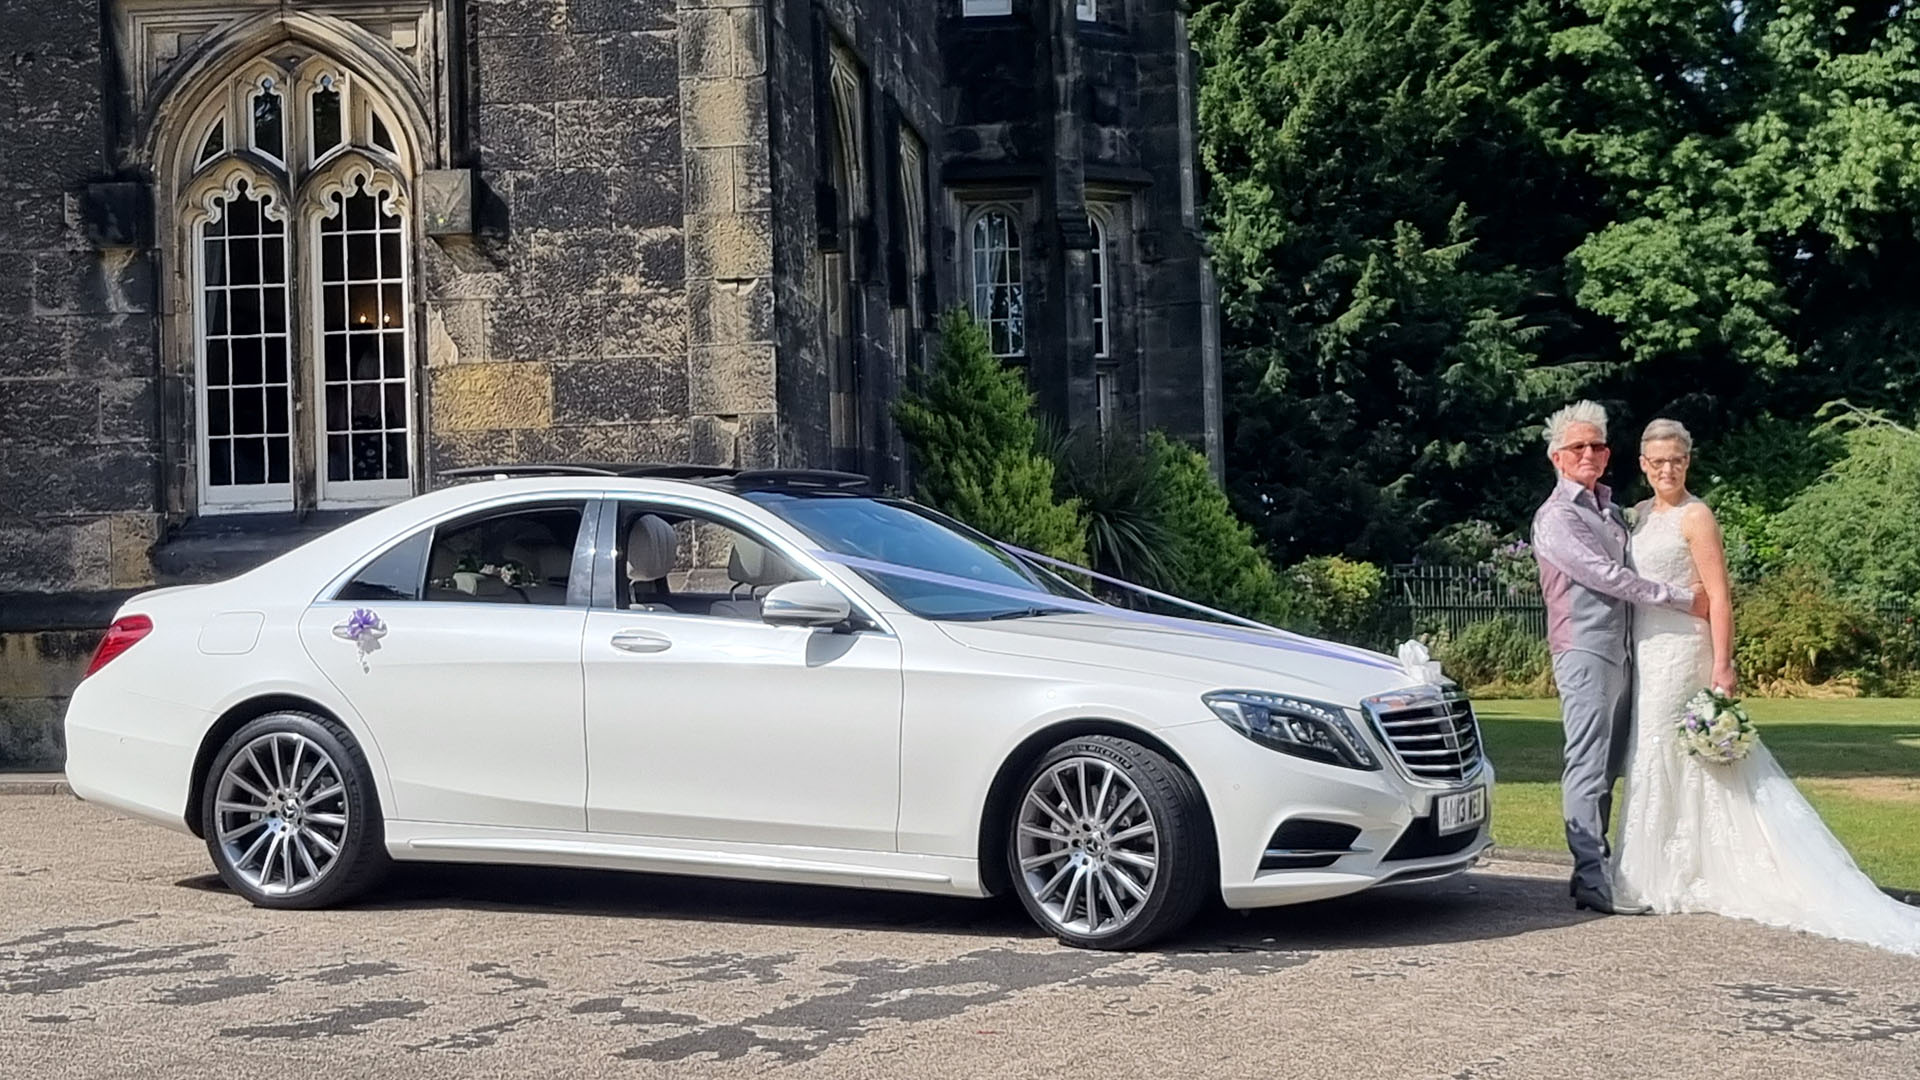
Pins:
x: 1496, y: 658
x: 1794, y: 627
x: 1857, y: 524
x: 974, y: 443
x: 1211, y: 556
x: 1341, y: 598
x: 1117, y: 486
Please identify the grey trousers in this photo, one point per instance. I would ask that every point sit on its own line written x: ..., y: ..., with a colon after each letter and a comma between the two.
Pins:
x: 1596, y: 709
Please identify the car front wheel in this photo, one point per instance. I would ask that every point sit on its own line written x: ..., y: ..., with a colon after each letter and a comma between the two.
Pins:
x: 1109, y: 847
x: 290, y: 814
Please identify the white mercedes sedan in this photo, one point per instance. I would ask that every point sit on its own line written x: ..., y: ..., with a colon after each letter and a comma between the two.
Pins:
x: 767, y: 675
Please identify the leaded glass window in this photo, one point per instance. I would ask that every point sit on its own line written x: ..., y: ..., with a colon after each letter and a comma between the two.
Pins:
x: 1097, y: 286
x: 269, y: 126
x: 363, y: 331
x: 325, y: 122
x: 216, y: 141
x: 244, y: 347
x: 295, y: 231
x: 998, y: 303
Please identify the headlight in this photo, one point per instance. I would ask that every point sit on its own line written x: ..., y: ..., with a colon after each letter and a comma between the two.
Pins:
x: 1291, y: 725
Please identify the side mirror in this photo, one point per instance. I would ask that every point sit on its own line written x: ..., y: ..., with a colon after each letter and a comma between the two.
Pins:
x: 805, y: 603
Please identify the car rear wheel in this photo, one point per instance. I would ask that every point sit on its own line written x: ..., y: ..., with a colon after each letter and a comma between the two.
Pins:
x: 290, y: 815
x: 1108, y: 845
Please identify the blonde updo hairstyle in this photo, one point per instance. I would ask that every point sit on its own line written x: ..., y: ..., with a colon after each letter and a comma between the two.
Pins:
x: 1664, y: 430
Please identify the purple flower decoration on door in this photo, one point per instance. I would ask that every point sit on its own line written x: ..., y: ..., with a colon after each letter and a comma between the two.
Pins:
x: 363, y: 624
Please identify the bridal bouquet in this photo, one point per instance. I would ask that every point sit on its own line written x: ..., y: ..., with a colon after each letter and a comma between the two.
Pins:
x: 1714, y: 727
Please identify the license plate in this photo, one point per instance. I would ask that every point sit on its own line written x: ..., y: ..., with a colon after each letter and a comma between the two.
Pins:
x: 1458, y: 813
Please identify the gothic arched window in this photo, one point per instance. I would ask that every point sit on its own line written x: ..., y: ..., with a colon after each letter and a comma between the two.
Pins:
x: 295, y: 253
x: 998, y: 301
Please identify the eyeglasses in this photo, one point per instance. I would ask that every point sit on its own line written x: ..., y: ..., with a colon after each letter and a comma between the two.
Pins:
x: 1660, y: 464
x: 1579, y: 448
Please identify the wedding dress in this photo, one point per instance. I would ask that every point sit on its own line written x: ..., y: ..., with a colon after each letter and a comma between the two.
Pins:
x: 1735, y: 839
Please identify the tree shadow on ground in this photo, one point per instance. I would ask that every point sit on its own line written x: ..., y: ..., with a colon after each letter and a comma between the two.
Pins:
x: 1472, y: 907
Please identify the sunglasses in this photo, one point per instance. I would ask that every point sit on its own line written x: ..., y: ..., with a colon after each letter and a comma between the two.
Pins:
x: 1579, y: 448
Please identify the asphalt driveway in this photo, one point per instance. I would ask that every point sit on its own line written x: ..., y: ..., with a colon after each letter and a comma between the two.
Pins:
x: 121, y: 955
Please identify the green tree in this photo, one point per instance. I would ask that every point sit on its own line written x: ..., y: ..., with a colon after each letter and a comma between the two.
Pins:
x: 1211, y: 556
x: 1436, y: 220
x: 974, y: 441
x: 1390, y: 240
x: 1857, y: 526
x: 1761, y: 167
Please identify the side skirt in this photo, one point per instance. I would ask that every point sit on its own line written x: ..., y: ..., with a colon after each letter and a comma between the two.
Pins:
x: 428, y: 841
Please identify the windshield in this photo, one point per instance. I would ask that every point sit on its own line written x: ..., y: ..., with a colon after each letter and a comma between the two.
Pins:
x: 898, y: 532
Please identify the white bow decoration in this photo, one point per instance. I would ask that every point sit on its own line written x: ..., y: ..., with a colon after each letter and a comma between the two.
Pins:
x: 1418, y: 662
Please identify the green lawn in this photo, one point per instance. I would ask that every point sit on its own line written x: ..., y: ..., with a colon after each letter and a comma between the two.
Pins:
x: 1857, y: 760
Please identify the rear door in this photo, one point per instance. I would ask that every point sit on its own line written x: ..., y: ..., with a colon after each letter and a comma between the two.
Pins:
x: 471, y: 683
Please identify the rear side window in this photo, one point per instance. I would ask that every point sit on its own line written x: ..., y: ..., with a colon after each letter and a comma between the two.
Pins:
x: 395, y: 575
x: 520, y: 556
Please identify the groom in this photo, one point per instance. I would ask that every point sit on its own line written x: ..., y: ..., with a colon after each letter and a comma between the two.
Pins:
x: 1580, y: 542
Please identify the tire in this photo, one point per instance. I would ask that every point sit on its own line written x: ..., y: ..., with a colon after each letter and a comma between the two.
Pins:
x: 1138, y: 840
x: 284, y: 789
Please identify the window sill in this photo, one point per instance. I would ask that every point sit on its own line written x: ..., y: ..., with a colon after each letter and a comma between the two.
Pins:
x: 218, y: 546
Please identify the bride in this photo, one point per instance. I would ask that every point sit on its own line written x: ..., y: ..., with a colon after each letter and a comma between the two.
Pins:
x: 1734, y: 839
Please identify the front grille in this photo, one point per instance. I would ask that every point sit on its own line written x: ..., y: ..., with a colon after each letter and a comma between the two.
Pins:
x: 1434, y: 734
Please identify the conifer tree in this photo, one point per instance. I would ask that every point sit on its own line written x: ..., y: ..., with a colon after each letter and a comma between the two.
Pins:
x: 974, y: 441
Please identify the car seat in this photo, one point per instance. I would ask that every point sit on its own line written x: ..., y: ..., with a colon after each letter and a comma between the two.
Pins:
x: 752, y: 565
x: 652, y: 549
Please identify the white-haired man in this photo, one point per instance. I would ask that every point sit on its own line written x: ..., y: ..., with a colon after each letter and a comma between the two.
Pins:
x: 1580, y: 542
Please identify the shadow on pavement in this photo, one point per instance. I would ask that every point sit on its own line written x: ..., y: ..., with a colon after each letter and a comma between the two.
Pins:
x: 1473, y: 907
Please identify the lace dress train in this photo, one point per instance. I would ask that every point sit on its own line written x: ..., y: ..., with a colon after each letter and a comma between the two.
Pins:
x: 1739, y: 839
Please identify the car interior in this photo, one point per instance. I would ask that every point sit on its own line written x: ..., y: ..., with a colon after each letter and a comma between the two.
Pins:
x: 524, y: 557
x: 672, y: 563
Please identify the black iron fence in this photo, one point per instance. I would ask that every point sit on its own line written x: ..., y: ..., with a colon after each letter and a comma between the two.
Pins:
x: 1421, y: 598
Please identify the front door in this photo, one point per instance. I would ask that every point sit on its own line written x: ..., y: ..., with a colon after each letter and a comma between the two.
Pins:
x: 473, y: 691
x: 704, y: 722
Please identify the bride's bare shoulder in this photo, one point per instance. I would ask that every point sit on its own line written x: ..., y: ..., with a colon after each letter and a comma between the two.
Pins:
x: 1697, y: 514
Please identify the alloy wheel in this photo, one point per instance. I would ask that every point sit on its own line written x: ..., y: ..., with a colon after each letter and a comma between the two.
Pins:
x: 1088, y: 846
x: 281, y: 813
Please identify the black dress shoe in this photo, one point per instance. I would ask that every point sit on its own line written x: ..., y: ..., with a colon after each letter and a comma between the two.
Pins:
x: 1589, y: 900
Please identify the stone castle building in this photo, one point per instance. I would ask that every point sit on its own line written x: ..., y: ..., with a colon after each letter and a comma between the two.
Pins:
x: 266, y: 263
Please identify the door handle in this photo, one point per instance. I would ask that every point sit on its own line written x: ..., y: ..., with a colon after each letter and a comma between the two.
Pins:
x: 641, y: 641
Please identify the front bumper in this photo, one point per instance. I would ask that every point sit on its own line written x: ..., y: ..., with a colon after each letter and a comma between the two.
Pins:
x: 1252, y: 791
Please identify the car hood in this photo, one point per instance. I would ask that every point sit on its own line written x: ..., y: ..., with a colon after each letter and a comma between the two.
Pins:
x: 1222, y: 657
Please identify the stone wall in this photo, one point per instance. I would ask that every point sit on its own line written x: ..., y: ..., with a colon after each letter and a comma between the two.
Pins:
x: 559, y: 331
x: 77, y: 370
x: 898, y: 48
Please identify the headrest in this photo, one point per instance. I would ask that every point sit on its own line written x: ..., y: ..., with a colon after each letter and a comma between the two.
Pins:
x: 545, y: 561
x: 753, y: 564
x: 652, y: 547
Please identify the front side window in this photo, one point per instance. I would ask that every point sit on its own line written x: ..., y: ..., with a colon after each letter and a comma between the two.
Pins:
x: 295, y: 240
x: 999, y: 303
x: 670, y: 561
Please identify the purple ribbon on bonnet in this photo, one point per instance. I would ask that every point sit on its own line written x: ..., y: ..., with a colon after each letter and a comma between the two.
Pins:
x: 1266, y: 636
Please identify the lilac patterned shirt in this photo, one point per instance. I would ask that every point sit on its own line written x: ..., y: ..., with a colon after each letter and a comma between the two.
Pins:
x: 1580, y: 542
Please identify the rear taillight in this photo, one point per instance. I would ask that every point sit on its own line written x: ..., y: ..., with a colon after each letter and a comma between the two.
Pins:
x: 121, y: 636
